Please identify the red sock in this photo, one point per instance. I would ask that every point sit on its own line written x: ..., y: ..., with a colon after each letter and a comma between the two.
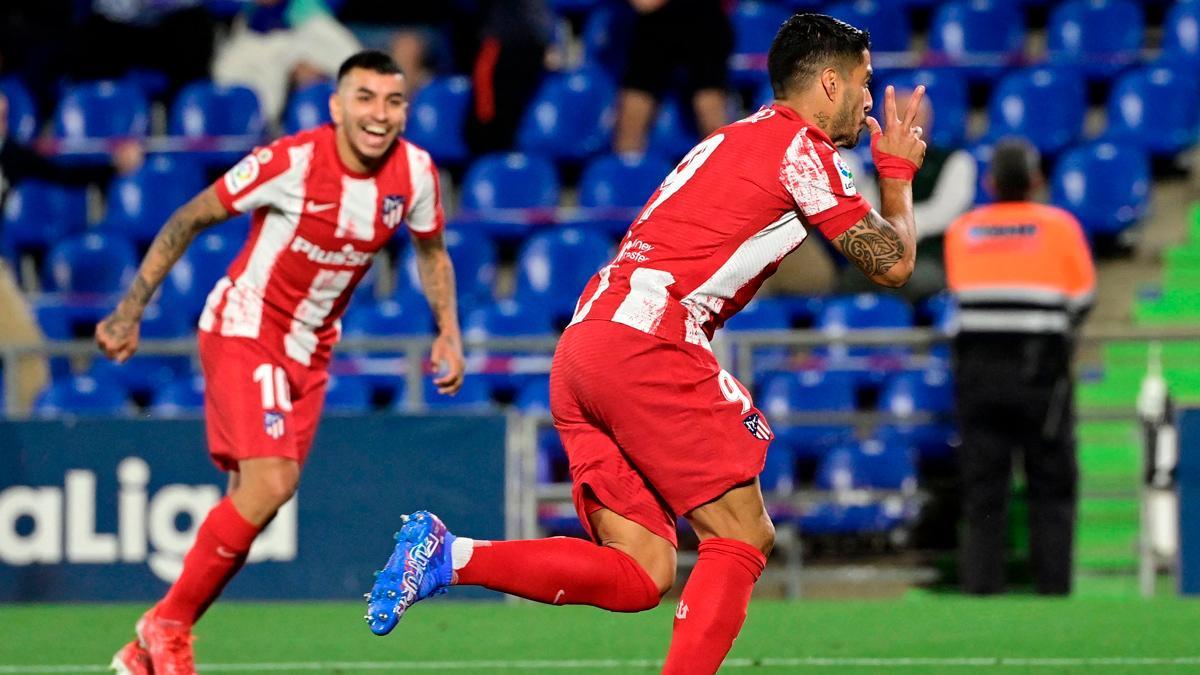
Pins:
x: 220, y: 550
x: 561, y: 571
x: 713, y: 605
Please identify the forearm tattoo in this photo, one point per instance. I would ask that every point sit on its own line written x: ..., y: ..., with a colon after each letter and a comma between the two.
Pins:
x: 170, y: 243
x: 437, y: 277
x: 873, y: 245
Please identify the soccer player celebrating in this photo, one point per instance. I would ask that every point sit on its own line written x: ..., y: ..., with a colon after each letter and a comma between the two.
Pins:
x: 324, y: 202
x: 652, y: 425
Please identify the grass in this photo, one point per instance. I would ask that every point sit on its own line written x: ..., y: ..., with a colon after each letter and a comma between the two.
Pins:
x: 439, y: 635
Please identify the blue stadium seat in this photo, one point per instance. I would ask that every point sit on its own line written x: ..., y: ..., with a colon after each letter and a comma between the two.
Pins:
x: 571, y: 116
x: 507, y: 318
x: 1156, y: 108
x: 1099, y: 37
x: 674, y: 131
x: 982, y: 37
x: 617, y: 186
x: 534, y: 397
x: 37, y: 214
x: 348, y: 394
x: 307, y: 108
x: 887, y: 465
x: 144, y: 374
x: 606, y: 37
x: 947, y: 92
x: 885, y: 21
x: 180, y: 398
x: 105, y: 109
x: 510, y: 181
x: 839, y: 315
x: 205, y: 109
x: 912, y: 392
x: 807, y: 391
x: 22, y: 115
x: 92, y: 263
x: 138, y: 204
x: 437, y: 119
x: 1045, y: 105
x: 761, y: 314
x: 474, y: 257
x: 473, y: 397
x: 192, y: 278
x: 82, y: 395
x: 404, y: 314
x: 553, y: 267
x: 754, y: 26
x: 982, y: 152
x: 1106, y: 185
x: 1181, y: 34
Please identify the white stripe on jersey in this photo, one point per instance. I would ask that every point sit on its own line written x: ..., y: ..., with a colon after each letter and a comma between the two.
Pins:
x: 356, y: 215
x: 804, y: 176
x: 242, y: 316
x: 422, y: 211
x: 769, y: 245
x: 301, y: 341
x: 643, y: 308
x: 209, y: 316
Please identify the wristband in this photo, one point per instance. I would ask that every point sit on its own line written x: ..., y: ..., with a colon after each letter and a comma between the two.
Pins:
x: 892, y: 166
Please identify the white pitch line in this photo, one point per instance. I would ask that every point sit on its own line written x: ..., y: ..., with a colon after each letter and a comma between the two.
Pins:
x: 611, y: 664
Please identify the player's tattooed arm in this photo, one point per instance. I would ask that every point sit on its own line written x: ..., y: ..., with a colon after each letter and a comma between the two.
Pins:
x: 437, y: 278
x: 883, y: 248
x: 117, y: 334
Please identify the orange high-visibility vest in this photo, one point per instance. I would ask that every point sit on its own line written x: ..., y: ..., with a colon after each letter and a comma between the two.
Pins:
x: 1019, y: 267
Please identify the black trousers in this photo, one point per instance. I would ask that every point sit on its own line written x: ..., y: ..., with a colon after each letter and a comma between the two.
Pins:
x: 1015, y: 394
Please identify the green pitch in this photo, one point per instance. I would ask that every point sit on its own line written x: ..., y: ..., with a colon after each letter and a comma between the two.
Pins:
x: 920, y: 634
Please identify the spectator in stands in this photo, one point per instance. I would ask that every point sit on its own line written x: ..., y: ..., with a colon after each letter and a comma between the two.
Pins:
x: 1023, y: 277
x: 664, y: 57
x: 418, y: 35
x: 18, y: 162
x: 942, y: 191
x: 514, y: 36
x: 280, y: 44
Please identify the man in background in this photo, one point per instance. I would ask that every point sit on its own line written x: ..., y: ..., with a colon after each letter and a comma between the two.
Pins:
x: 1023, y: 277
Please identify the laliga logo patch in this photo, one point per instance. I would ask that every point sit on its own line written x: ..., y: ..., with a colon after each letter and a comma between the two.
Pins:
x: 393, y: 210
x: 844, y: 175
x: 241, y: 175
x: 757, y: 427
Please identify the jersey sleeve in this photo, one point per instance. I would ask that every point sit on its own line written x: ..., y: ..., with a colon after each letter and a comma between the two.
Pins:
x: 256, y: 180
x: 425, y: 216
x: 821, y: 185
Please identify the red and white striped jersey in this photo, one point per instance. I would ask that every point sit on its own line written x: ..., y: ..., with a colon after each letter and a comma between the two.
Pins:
x: 719, y: 225
x: 315, y: 228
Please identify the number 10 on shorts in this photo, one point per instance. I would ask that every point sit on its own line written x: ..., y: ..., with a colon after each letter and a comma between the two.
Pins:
x: 272, y: 381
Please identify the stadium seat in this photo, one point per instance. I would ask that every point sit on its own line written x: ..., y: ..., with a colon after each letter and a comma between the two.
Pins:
x: 82, y: 395
x: 912, y: 392
x: 92, y: 263
x: 754, y: 26
x: 841, y: 314
x: 22, y: 114
x: 807, y: 391
x: 474, y: 257
x: 534, y: 397
x: 1156, y: 108
x: 404, y: 314
x: 981, y: 37
x: 615, y: 187
x: 105, y: 109
x: 1045, y: 105
x: 204, y: 109
x: 193, y: 276
x: 571, y: 116
x: 554, y: 266
x: 1181, y: 34
x: 348, y: 394
x: 1106, y: 185
x: 138, y: 204
x: 674, y: 131
x: 504, y: 193
x: 886, y: 465
x: 606, y: 37
x: 144, y: 374
x: 437, y: 119
x: 1098, y: 37
x: 507, y: 318
x: 307, y: 107
x: 37, y: 214
x: 473, y: 397
x: 982, y: 152
x: 947, y: 93
x: 886, y: 21
x: 181, y: 397
x: 761, y: 314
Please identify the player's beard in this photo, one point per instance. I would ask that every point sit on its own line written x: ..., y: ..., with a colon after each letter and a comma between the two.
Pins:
x: 847, y: 124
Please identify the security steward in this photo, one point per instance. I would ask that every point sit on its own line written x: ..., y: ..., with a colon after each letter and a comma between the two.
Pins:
x: 1023, y: 276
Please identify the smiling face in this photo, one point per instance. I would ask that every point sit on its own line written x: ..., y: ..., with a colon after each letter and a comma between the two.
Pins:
x: 369, y: 110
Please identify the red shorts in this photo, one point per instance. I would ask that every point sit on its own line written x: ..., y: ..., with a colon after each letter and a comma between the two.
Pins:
x: 257, y: 404
x: 652, y: 428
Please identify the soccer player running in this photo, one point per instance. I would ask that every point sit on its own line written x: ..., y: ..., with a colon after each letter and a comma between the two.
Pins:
x: 324, y: 202
x: 652, y: 425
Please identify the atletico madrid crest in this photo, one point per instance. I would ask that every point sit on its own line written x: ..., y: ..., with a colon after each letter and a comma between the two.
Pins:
x: 393, y: 210
x: 757, y: 426
x: 273, y: 424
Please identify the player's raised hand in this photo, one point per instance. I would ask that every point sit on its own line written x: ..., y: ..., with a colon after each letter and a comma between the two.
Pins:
x: 900, y: 136
x: 117, y: 335
x: 447, y: 355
